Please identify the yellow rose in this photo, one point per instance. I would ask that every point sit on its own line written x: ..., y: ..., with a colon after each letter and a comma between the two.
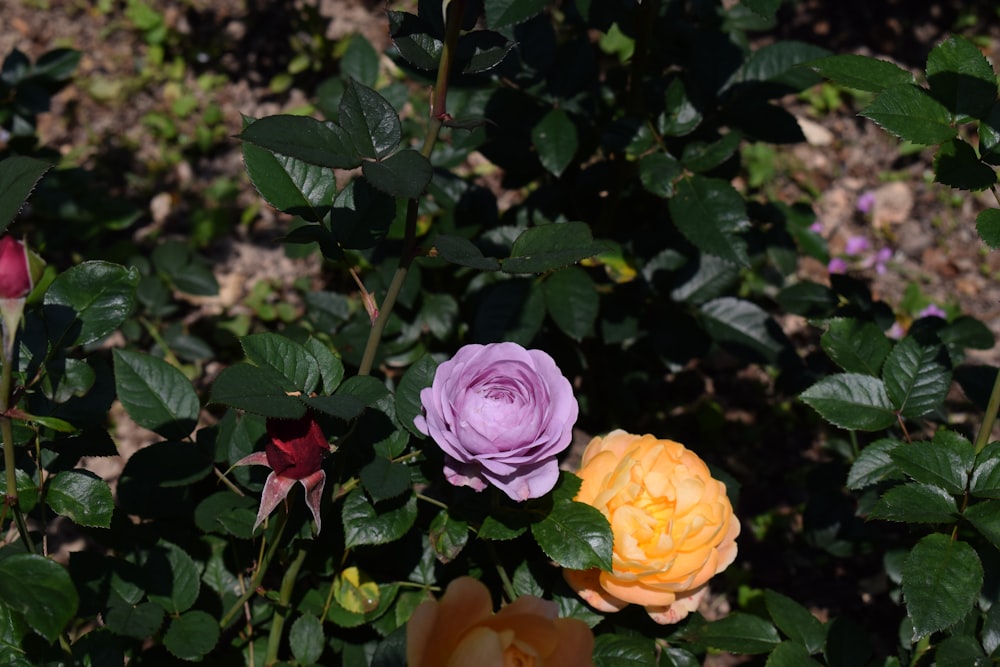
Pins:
x: 461, y: 630
x: 673, y: 525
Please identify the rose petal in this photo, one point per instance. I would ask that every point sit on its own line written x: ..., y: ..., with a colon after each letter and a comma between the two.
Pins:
x: 276, y: 489
x: 313, y: 485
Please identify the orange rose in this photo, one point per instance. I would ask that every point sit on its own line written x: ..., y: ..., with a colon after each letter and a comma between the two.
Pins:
x: 673, y: 525
x: 461, y: 629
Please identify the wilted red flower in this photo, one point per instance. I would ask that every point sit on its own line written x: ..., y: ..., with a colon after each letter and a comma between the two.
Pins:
x: 294, y: 453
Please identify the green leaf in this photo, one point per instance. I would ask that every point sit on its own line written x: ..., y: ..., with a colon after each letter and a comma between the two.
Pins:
x: 851, y: 401
x: 989, y: 136
x: 192, y: 635
x: 575, y: 535
x: 744, y: 325
x: 461, y: 251
x: 985, y: 517
x: 173, y: 579
x: 612, y: 650
x: 936, y: 463
x: 155, y: 394
x: 359, y: 62
x: 227, y: 513
x: 855, y: 345
x: 18, y: 176
x: 961, y: 78
x: 874, y: 464
x: 572, y: 301
x: 385, y: 479
x: 941, y: 579
x: 365, y: 388
x: 137, y: 621
x: 500, y: 13
x: 738, y: 633
x: 481, y: 50
x: 795, y: 621
x: 303, y: 138
x: 290, y: 185
x: 703, y: 278
x: 341, y: 406
x: 551, y: 246
x: 40, y: 591
x: 361, y: 215
x: 307, y: 639
x: 416, y: 378
x: 370, y: 121
x: 809, y: 299
x: 27, y: 491
x: 988, y: 227
x: 861, y: 72
x: 82, y: 496
x: 960, y: 651
x: 790, y: 654
x: 680, y: 116
x: 778, y: 63
x: 156, y: 477
x: 657, y: 172
x: 285, y: 358
x: 701, y: 157
x: 915, y: 503
x: 711, y: 214
x: 366, y: 524
x: 404, y: 174
x: 447, y: 536
x: 331, y: 369
x: 102, y: 295
x: 985, y: 480
x: 554, y: 139
x: 956, y: 164
x: 916, y: 384
x: 412, y: 37
x: 257, y: 390
x: 909, y: 112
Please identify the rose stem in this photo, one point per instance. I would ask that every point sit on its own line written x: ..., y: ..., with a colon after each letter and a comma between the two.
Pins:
x: 259, y: 574
x: 456, y: 8
x: 284, y: 596
x: 7, y: 430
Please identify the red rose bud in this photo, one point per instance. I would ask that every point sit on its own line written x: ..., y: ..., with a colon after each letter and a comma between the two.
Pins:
x: 15, y: 275
x: 296, y: 447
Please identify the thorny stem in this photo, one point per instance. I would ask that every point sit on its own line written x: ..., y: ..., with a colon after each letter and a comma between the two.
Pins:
x: 439, y: 114
x: 258, y: 575
x: 7, y: 431
x: 284, y: 596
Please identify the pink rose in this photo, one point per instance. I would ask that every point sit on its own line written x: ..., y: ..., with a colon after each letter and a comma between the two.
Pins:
x: 501, y: 414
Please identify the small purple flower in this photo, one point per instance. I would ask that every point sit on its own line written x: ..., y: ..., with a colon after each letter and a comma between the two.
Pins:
x: 896, y: 331
x: 837, y: 265
x: 932, y: 311
x: 816, y: 227
x: 882, y: 259
x: 856, y: 245
x: 501, y: 414
x: 866, y: 201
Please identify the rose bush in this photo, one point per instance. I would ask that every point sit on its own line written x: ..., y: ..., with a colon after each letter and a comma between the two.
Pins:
x: 501, y: 414
x: 461, y: 629
x: 294, y: 452
x: 673, y: 525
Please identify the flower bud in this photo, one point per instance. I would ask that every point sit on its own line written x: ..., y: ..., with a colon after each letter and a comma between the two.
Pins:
x: 15, y: 274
